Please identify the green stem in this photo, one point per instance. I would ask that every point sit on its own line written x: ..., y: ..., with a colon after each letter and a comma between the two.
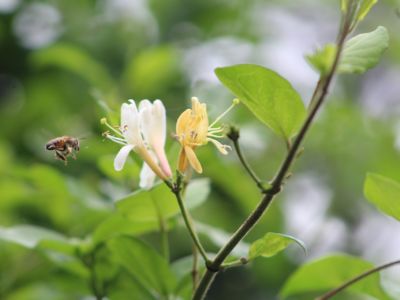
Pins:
x: 234, y: 136
x: 236, y: 263
x: 163, y: 230
x: 323, y: 85
x: 195, y: 267
x: 335, y: 291
x: 176, y: 189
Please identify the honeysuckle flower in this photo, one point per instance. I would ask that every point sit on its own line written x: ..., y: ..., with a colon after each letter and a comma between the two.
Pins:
x: 142, y: 131
x: 193, y: 130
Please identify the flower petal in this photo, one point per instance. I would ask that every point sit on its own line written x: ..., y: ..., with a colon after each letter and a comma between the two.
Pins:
x: 182, y: 161
x: 144, y: 104
x: 193, y: 160
x: 153, y: 122
x: 183, y: 122
x: 130, y: 123
x: 159, y: 121
x: 163, y: 161
x: 121, y: 157
x: 147, y: 177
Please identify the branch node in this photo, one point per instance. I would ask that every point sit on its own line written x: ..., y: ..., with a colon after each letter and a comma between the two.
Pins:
x: 273, y: 190
x: 210, y: 267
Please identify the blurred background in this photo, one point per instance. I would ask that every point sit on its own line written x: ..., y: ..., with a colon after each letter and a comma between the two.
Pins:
x: 66, y: 64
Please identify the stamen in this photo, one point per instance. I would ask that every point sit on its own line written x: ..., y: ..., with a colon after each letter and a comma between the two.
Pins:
x: 105, y: 122
x: 222, y: 148
x: 216, y: 130
x: 234, y: 103
x: 215, y: 135
x: 114, y: 139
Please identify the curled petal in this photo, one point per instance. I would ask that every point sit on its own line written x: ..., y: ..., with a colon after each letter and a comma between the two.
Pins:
x: 121, y: 157
x: 193, y: 160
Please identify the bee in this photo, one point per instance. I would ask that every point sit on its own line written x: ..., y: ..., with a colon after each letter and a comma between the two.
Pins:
x: 63, y: 147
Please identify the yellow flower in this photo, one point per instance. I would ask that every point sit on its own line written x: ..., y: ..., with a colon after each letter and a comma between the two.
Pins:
x: 193, y: 130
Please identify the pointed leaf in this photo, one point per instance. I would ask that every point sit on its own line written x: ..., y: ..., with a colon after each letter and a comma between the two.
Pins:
x: 384, y: 193
x: 269, y: 96
x: 322, y: 59
x: 364, y: 9
x: 271, y: 244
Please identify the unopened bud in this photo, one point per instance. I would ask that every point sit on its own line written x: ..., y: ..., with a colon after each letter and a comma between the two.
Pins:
x: 233, y: 133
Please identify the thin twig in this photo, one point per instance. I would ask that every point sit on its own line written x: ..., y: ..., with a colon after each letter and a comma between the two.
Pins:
x: 176, y: 189
x: 236, y: 263
x: 234, y: 136
x: 335, y: 291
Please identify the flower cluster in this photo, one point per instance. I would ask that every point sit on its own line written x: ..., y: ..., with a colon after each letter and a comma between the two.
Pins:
x: 143, y: 131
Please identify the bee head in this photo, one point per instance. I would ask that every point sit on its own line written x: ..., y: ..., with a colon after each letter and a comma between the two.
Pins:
x: 50, y: 146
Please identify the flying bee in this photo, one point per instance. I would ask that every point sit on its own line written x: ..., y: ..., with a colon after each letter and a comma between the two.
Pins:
x: 63, y: 147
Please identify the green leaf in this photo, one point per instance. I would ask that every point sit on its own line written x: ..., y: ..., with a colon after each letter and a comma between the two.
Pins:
x: 364, y: 9
x: 144, y: 263
x: 271, y: 244
x: 329, y: 272
x: 116, y: 225
x: 363, y: 51
x: 197, y: 192
x: 384, y: 193
x: 269, y: 96
x: 140, y: 206
x: 31, y: 237
x: 323, y: 59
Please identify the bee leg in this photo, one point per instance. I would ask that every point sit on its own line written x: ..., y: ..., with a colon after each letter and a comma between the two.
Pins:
x: 70, y: 150
x: 73, y: 154
x: 61, y: 156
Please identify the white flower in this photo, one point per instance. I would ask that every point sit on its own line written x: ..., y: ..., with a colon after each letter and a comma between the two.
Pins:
x: 154, y: 126
x: 143, y: 132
